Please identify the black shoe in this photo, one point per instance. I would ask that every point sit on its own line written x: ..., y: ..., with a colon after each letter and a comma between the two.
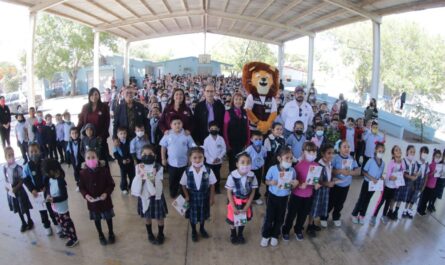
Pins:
x: 316, y: 228
x: 195, y: 237
x: 241, y: 240
x: 152, y: 239
x: 62, y: 236
x: 405, y: 215
x: 311, y: 232
x: 203, y: 233
x: 421, y: 213
x: 71, y: 243
x: 233, y: 239
x: 30, y: 225
x: 23, y: 228
x: 160, y: 239
x: 111, y: 239
x: 102, y: 240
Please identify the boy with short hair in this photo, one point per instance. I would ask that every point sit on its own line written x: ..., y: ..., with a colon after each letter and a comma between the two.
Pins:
x: 371, y: 137
x: 214, y: 151
x: 21, y: 133
x: 60, y: 138
x: 39, y: 129
x: 121, y: 151
x: 67, y: 125
x: 73, y: 152
x: 296, y: 140
x: 90, y: 140
x: 258, y: 154
x: 51, y: 137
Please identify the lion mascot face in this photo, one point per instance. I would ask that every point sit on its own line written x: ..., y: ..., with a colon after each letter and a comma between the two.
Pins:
x: 261, y: 81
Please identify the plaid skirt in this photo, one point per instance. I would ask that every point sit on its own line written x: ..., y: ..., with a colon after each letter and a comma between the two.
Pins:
x: 19, y: 204
x: 157, y: 209
x: 402, y: 193
x: 320, y: 202
x: 96, y: 216
x: 199, y: 207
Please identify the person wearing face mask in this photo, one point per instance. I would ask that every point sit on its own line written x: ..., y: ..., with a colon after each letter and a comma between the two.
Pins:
x: 370, y: 137
x: 280, y: 180
x: 296, y: 140
x: 428, y: 192
x: 147, y: 186
x: 96, y: 186
x: 371, y: 112
x: 5, y: 123
x: 41, y: 137
x: 297, y: 110
x: 21, y: 133
x: 413, y: 195
x: 140, y: 139
x: 214, y: 152
x: 258, y: 153
x: 121, y: 152
x: 300, y: 201
x: 319, y: 140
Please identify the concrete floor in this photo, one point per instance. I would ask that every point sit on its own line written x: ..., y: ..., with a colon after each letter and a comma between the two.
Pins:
x: 417, y: 241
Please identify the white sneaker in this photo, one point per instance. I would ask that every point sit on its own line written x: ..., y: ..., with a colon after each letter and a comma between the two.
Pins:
x: 273, y: 242
x: 259, y: 202
x: 264, y: 242
x: 324, y: 224
x: 124, y: 192
x: 58, y: 229
x: 49, y: 231
x: 77, y: 189
x: 361, y: 220
x: 354, y: 219
x: 337, y: 223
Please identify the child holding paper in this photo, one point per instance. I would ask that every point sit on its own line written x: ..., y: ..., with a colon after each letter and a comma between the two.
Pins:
x: 18, y: 200
x: 373, y: 173
x: 440, y: 185
x: 198, y: 185
x: 428, y: 194
x: 344, y: 167
x: 418, y: 184
x: 410, y: 175
x: 147, y: 186
x: 96, y: 186
x: 280, y: 179
x: 300, y: 201
x: 395, y: 167
x: 321, y: 196
x: 240, y: 185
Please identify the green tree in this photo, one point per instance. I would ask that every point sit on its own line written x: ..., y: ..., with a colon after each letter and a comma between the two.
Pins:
x: 10, y: 77
x: 412, y: 60
x: 143, y: 51
x: 65, y: 46
x: 238, y: 52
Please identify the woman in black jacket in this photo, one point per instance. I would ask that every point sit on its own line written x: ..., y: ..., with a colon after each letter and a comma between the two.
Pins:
x: 5, y: 122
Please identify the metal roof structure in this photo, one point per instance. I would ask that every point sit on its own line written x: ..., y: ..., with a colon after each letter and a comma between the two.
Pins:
x: 270, y: 21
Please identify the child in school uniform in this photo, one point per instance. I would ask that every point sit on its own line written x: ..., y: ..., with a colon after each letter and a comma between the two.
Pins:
x: 198, y: 186
x: 241, y: 184
x: 121, y: 152
x: 372, y: 172
x: 296, y: 140
x: 359, y: 143
x: 67, y: 125
x: 418, y: 184
x: 410, y: 175
x: 51, y: 137
x: 428, y: 193
x: 276, y: 178
x: 440, y: 185
x: 41, y: 137
x: 273, y: 143
x: 347, y: 133
x: 18, y: 200
x: 90, y: 140
x: 147, y: 186
x: 57, y: 195
x: 176, y: 144
x: 60, y: 137
x: 371, y: 137
x: 34, y: 181
x: 214, y: 152
x: 138, y: 142
x: 387, y: 196
x: 300, y: 201
x: 96, y: 186
x: 318, y: 139
x: 321, y: 196
x: 155, y: 131
x: 344, y: 167
x: 73, y: 154
x: 333, y: 132
x: 21, y: 133
x: 258, y: 154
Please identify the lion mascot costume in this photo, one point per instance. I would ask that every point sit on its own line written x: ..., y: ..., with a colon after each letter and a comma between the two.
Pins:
x: 261, y: 82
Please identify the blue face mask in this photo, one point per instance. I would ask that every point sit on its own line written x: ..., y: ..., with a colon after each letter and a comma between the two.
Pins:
x: 319, y: 133
x: 257, y: 143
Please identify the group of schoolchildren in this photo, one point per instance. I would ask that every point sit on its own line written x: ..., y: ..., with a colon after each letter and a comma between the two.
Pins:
x: 282, y: 164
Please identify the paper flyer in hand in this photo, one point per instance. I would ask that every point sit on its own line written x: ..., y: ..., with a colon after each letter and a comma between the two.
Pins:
x: 145, y: 172
x: 284, y: 180
x: 313, y: 174
x: 9, y: 187
x: 400, y: 181
x: 375, y: 186
x: 96, y: 199
x: 240, y: 219
x: 180, y: 205
x: 38, y: 202
x: 438, y: 173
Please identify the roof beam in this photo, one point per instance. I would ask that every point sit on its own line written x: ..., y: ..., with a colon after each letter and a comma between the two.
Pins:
x: 169, y: 10
x: 226, y: 5
x: 324, y: 17
x: 167, y: 34
x: 220, y: 20
x: 141, y: 30
x: 246, y: 3
x: 149, y: 18
x: 307, y: 12
x: 184, y: 5
x: 242, y: 36
x: 71, y: 18
x: 147, y: 7
x: 105, y: 9
x: 260, y: 21
x: 85, y: 12
x: 177, y: 24
x: 189, y: 21
x: 45, y: 5
x: 287, y: 8
x: 354, y: 8
x: 119, y: 2
x: 151, y: 27
x: 266, y: 6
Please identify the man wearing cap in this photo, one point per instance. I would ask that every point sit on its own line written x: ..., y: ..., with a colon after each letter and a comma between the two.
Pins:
x: 297, y: 110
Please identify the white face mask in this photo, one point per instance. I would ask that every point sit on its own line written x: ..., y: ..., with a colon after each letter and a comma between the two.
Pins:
x: 140, y: 133
x: 285, y: 164
x: 309, y: 157
x: 437, y: 160
x: 424, y: 156
x: 379, y: 155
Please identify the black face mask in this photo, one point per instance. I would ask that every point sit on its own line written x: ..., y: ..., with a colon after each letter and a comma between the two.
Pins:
x: 214, y: 132
x: 300, y: 99
x: 148, y: 159
x: 298, y: 132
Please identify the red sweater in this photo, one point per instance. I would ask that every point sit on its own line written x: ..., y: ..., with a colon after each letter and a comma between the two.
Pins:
x: 94, y: 183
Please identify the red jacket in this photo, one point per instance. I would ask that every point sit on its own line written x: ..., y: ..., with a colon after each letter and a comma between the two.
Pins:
x: 184, y: 113
x: 94, y: 183
x: 100, y: 118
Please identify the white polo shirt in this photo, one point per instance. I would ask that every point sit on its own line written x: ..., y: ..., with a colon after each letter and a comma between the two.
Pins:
x: 292, y: 113
x: 214, y: 148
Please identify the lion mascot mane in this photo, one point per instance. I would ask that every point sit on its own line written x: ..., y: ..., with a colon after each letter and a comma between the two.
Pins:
x: 261, y: 82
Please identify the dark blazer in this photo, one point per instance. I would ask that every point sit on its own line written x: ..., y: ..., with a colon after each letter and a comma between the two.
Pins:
x: 123, y: 154
x: 103, y: 124
x: 121, y: 119
x: 94, y: 183
x: 200, y: 119
x: 5, y: 115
